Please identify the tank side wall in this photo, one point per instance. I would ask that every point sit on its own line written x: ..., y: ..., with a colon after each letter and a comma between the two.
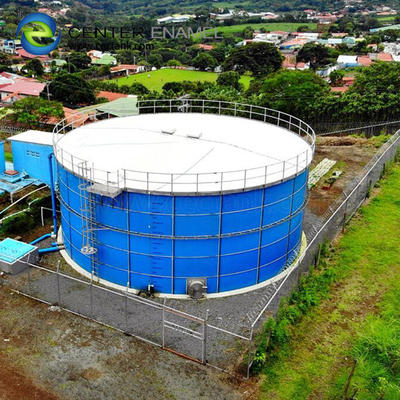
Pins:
x: 232, y: 241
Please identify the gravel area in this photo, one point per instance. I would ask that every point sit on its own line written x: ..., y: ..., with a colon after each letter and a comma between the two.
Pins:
x: 54, y: 355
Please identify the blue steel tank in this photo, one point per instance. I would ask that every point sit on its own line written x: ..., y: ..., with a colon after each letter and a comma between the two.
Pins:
x: 205, y: 193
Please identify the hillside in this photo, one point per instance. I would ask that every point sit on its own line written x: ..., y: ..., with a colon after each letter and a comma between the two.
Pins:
x: 163, y: 7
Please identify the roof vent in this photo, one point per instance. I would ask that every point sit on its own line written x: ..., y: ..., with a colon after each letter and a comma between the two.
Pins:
x: 168, y: 131
x: 194, y: 135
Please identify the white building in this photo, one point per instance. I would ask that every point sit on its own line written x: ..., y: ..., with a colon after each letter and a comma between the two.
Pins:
x: 271, y: 37
x: 174, y: 19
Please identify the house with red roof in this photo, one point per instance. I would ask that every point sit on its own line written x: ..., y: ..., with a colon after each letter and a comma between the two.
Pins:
x: 20, y: 89
x: 348, y: 80
x: 75, y: 117
x: 339, y: 89
x: 206, y: 47
x: 290, y: 62
x: 24, y: 54
x: 110, y: 96
x: 385, y: 57
x: 365, y: 61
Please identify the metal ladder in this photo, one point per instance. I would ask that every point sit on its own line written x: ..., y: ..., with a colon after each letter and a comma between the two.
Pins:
x: 88, y: 211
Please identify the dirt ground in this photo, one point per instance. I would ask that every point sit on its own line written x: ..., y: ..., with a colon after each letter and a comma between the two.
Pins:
x: 54, y: 355
x: 15, y: 386
x: 351, y: 154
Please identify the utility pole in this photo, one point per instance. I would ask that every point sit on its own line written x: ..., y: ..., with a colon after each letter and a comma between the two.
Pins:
x: 48, y: 93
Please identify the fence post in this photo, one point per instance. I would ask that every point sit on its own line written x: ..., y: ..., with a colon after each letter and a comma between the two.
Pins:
x: 91, y: 296
x: 163, y: 324
x: 204, y: 349
x: 29, y: 279
x: 345, y: 213
x: 58, y: 284
x: 249, y: 355
x: 126, y: 307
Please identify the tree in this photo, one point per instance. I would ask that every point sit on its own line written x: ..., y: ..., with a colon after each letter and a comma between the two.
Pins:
x: 80, y: 60
x: 373, y: 97
x: 336, y: 77
x: 55, y: 54
x: 230, y: 79
x: 138, y: 88
x: 303, y: 28
x: 127, y: 56
x: 33, y: 67
x: 155, y: 60
x: 379, y: 77
x: 204, y: 61
x: 172, y: 54
x: 219, y: 53
x: 258, y: 58
x: 248, y: 32
x: 178, y: 87
x: 5, y: 62
x: 32, y: 111
x: 315, y: 54
x: 71, y: 89
x: 292, y: 91
x: 104, y: 70
x: 174, y: 63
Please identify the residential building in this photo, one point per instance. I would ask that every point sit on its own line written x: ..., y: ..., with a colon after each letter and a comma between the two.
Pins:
x: 106, y: 59
x: 174, y: 19
x: 10, y: 46
x: 294, y: 44
x: 290, y: 62
x: 20, y: 89
x: 206, y: 47
x: 271, y: 37
x: 347, y: 61
x: 365, y: 61
x: 127, y: 69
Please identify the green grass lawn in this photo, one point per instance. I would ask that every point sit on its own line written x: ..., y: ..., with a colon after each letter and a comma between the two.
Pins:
x: 386, y: 18
x: 357, y: 319
x: 160, y: 77
x: 269, y: 26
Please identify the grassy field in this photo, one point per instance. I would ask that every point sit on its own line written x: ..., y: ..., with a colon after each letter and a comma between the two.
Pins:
x: 387, y: 18
x: 159, y: 78
x: 355, y: 322
x: 269, y: 26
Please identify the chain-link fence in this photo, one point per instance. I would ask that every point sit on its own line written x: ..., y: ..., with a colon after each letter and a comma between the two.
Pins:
x: 226, y: 340
x: 332, y: 222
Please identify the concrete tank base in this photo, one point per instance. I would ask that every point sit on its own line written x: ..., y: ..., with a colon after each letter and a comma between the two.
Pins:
x: 247, y: 289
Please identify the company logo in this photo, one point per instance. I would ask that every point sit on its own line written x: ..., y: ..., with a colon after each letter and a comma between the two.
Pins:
x: 48, y: 26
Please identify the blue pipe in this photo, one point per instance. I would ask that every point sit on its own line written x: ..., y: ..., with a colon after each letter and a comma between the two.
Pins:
x: 49, y: 250
x: 47, y: 235
x: 53, y: 194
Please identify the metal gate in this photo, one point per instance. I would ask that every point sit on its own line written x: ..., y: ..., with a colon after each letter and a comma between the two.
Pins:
x: 185, y: 335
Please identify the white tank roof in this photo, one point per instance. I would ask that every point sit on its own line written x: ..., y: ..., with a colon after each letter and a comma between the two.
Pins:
x: 184, y: 152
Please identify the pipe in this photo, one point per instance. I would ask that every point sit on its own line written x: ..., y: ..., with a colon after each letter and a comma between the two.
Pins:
x: 13, y: 204
x: 49, y: 250
x: 47, y: 235
x: 53, y: 195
